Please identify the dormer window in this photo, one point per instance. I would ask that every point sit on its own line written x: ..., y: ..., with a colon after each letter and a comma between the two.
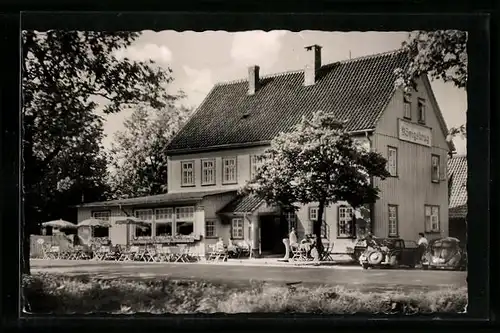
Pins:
x: 421, y: 110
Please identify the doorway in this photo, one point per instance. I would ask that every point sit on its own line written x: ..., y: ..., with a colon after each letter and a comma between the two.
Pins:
x: 273, y: 229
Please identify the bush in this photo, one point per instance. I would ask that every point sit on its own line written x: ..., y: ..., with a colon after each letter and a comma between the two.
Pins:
x: 48, y: 293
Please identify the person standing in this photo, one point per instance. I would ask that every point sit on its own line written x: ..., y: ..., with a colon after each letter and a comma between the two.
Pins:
x: 294, y: 243
x: 422, y: 246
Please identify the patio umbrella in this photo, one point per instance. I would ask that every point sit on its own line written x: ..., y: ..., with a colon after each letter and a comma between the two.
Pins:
x: 59, y: 224
x: 132, y: 220
x: 93, y: 223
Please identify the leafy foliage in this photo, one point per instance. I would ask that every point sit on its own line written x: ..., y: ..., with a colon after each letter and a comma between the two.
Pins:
x: 63, y: 72
x: 318, y: 161
x: 138, y: 155
x: 441, y: 54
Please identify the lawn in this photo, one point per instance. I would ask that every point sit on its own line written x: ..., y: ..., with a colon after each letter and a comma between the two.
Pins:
x: 59, y: 294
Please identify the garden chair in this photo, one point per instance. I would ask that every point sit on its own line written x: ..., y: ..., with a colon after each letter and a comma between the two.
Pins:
x: 126, y: 254
x: 220, y: 253
x: 176, y: 254
x: 150, y: 254
x: 46, y: 251
x: 327, y: 253
x: 245, y: 250
x: 299, y: 253
x: 54, y: 252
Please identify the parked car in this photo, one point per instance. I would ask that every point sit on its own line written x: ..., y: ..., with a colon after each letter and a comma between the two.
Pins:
x: 389, y: 252
x: 445, y: 253
x: 358, y: 249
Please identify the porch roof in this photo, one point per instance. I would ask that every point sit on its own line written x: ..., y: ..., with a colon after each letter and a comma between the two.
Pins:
x: 167, y: 198
x: 242, y: 204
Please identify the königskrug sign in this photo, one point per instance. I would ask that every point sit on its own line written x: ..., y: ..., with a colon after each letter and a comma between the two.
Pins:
x: 415, y: 133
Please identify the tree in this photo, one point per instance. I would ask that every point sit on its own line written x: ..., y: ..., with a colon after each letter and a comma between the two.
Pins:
x: 441, y: 54
x: 63, y: 72
x: 138, y: 154
x: 318, y: 161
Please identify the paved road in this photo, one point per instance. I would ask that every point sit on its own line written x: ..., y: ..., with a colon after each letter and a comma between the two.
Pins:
x: 382, y: 279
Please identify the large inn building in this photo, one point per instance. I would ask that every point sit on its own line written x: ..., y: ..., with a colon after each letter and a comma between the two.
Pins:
x: 217, y: 151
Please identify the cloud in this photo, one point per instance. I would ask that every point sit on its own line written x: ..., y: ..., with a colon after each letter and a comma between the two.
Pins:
x: 257, y: 47
x: 199, y: 82
x: 158, y: 53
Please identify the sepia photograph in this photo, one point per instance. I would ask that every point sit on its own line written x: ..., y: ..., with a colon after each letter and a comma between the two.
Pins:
x: 182, y: 172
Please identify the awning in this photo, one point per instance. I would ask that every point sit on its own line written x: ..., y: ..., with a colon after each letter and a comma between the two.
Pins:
x: 168, y: 198
x: 242, y: 205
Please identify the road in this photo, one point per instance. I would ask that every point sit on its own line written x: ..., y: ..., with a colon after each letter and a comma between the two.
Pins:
x: 373, y: 279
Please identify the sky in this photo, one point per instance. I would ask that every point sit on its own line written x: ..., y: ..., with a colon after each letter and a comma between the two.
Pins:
x: 201, y: 59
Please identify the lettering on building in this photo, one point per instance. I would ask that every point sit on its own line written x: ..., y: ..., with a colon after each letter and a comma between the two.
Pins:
x: 415, y: 133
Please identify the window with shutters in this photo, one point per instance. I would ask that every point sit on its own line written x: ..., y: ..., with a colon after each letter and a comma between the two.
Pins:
x: 393, y: 221
x: 432, y: 223
x: 392, y: 161
x: 435, y: 161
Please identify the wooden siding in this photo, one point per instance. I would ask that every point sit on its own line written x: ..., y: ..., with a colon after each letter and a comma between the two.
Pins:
x: 413, y: 188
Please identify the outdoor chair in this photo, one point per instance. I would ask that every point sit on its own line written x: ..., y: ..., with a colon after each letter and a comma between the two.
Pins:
x: 299, y: 253
x: 245, y: 250
x: 327, y: 253
x: 218, y: 253
x: 150, y: 254
x: 102, y: 253
x: 54, y: 252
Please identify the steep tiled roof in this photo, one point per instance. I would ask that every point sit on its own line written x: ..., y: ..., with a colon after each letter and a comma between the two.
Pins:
x: 457, y: 171
x: 356, y: 90
x: 242, y: 204
x: 168, y: 198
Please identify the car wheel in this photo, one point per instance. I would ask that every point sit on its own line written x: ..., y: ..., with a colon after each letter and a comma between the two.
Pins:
x: 375, y: 257
x: 425, y: 267
x: 365, y: 266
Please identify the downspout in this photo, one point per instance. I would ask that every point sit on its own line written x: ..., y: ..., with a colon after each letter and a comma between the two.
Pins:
x: 372, y: 205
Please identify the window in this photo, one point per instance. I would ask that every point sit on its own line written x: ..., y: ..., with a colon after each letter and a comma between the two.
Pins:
x: 184, y: 220
x: 421, y: 110
x: 237, y: 228
x: 256, y: 162
x: 208, y: 172
x: 407, y: 107
x: 104, y: 215
x: 291, y: 218
x: 210, y: 229
x: 164, y: 221
x: 431, y: 218
x: 187, y: 173
x: 147, y: 216
x: 392, y: 161
x: 435, y: 161
x: 229, y: 170
x: 393, y: 221
x: 345, y: 222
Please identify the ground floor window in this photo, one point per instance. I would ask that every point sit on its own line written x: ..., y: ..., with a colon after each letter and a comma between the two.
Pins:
x: 345, y: 222
x: 185, y: 228
x: 164, y: 229
x: 237, y: 228
x: 142, y: 231
x: 393, y: 221
x: 101, y: 232
x: 210, y: 228
x: 432, y: 223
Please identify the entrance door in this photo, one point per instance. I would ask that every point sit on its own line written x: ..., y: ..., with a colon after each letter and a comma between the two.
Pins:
x: 273, y: 230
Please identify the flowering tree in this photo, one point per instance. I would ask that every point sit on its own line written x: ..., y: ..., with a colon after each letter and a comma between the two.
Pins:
x: 441, y: 54
x: 318, y: 161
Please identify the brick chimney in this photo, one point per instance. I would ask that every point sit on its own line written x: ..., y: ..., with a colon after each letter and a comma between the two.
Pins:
x: 253, y: 79
x: 312, y: 65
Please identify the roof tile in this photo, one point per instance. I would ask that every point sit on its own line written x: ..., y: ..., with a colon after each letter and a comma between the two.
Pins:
x: 457, y: 170
x: 356, y: 90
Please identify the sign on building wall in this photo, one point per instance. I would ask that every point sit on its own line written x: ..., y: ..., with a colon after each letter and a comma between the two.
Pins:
x: 415, y: 133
